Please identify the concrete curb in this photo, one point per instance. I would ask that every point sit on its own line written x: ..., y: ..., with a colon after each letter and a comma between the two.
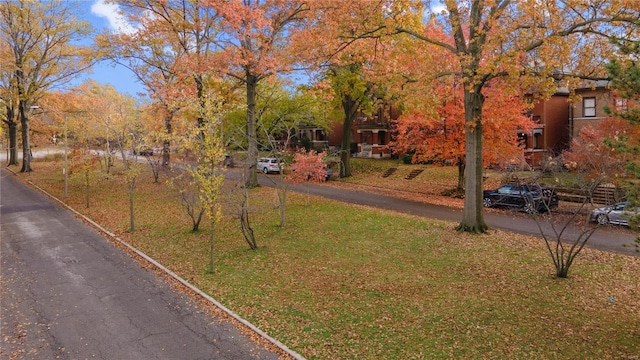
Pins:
x: 170, y: 273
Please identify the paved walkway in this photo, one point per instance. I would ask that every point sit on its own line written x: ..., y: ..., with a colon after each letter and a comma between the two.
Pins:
x: 69, y: 293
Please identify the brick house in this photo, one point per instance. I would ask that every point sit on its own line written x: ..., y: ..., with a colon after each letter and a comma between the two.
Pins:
x: 369, y: 135
x: 590, y: 109
x: 551, y: 134
x: 560, y: 118
x: 313, y: 137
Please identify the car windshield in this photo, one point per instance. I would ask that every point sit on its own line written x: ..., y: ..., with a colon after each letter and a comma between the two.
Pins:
x: 620, y: 206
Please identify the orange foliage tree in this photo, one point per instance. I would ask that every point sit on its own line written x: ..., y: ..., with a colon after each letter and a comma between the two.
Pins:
x: 84, y: 163
x: 594, y: 152
x: 307, y: 166
x: 111, y: 119
x: 252, y: 46
x: 40, y: 38
x: 529, y: 44
x: 166, y: 46
x: 439, y: 136
x: 352, y: 75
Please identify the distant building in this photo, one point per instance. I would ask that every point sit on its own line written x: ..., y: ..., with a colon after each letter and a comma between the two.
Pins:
x: 313, y: 137
x: 590, y: 110
x: 560, y: 118
x: 372, y: 134
x: 551, y: 133
x: 369, y: 135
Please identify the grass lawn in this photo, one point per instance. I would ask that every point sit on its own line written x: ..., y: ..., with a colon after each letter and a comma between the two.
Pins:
x: 348, y: 282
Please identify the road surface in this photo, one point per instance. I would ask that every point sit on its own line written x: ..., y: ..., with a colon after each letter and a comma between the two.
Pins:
x: 607, y: 238
x: 69, y: 293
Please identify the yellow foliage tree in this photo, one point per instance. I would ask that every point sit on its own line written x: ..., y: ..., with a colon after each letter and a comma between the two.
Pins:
x: 40, y: 38
x: 204, y: 139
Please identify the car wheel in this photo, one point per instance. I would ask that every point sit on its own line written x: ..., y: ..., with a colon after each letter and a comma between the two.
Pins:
x: 602, y: 219
x: 265, y: 170
x: 530, y: 208
x: 487, y: 202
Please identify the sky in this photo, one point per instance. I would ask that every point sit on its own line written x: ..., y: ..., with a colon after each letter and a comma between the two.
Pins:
x: 103, y: 16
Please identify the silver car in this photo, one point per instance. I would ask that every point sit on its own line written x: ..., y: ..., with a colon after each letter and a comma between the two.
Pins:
x: 268, y: 165
x: 618, y: 214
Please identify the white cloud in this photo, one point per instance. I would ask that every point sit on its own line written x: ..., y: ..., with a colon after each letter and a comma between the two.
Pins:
x: 438, y: 9
x: 117, y: 22
x: 434, y: 10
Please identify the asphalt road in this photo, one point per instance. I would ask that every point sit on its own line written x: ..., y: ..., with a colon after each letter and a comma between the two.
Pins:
x: 69, y: 293
x: 607, y: 238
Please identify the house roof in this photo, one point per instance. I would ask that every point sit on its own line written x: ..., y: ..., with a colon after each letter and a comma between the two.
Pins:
x: 594, y: 84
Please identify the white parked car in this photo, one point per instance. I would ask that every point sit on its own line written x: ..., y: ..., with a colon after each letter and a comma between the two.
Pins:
x: 268, y: 165
x: 618, y: 214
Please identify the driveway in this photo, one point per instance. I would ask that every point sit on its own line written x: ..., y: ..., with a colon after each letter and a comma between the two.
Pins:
x: 67, y: 292
x: 606, y: 238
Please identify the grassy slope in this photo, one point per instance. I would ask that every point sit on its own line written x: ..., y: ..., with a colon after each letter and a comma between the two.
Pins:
x: 346, y: 282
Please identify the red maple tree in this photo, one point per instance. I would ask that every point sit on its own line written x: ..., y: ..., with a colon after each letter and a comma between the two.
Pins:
x: 439, y: 135
x: 596, y: 151
x: 307, y: 166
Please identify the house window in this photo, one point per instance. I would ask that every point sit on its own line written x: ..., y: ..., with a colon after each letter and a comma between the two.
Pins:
x: 621, y: 105
x: 522, y: 139
x: 537, y: 138
x: 366, y: 137
x: 382, y: 138
x: 589, y: 107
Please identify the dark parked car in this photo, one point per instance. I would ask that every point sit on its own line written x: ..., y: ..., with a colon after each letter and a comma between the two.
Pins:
x: 228, y: 161
x: 528, y: 197
x: 329, y: 173
x: 143, y: 151
x: 618, y: 214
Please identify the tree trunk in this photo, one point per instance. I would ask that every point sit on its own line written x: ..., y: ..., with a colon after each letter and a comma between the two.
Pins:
x: 13, y: 143
x: 350, y: 108
x: 251, y: 178
x: 132, y: 186
x: 86, y: 188
x: 196, y: 220
x: 201, y: 101
x: 166, y: 144
x: 245, y: 224
x: 12, y: 131
x: 461, y: 167
x: 282, y: 196
x: 211, y: 242
x: 472, y: 216
x: 26, y: 142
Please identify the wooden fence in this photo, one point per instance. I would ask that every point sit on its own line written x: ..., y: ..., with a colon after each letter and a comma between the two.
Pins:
x: 605, y: 195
